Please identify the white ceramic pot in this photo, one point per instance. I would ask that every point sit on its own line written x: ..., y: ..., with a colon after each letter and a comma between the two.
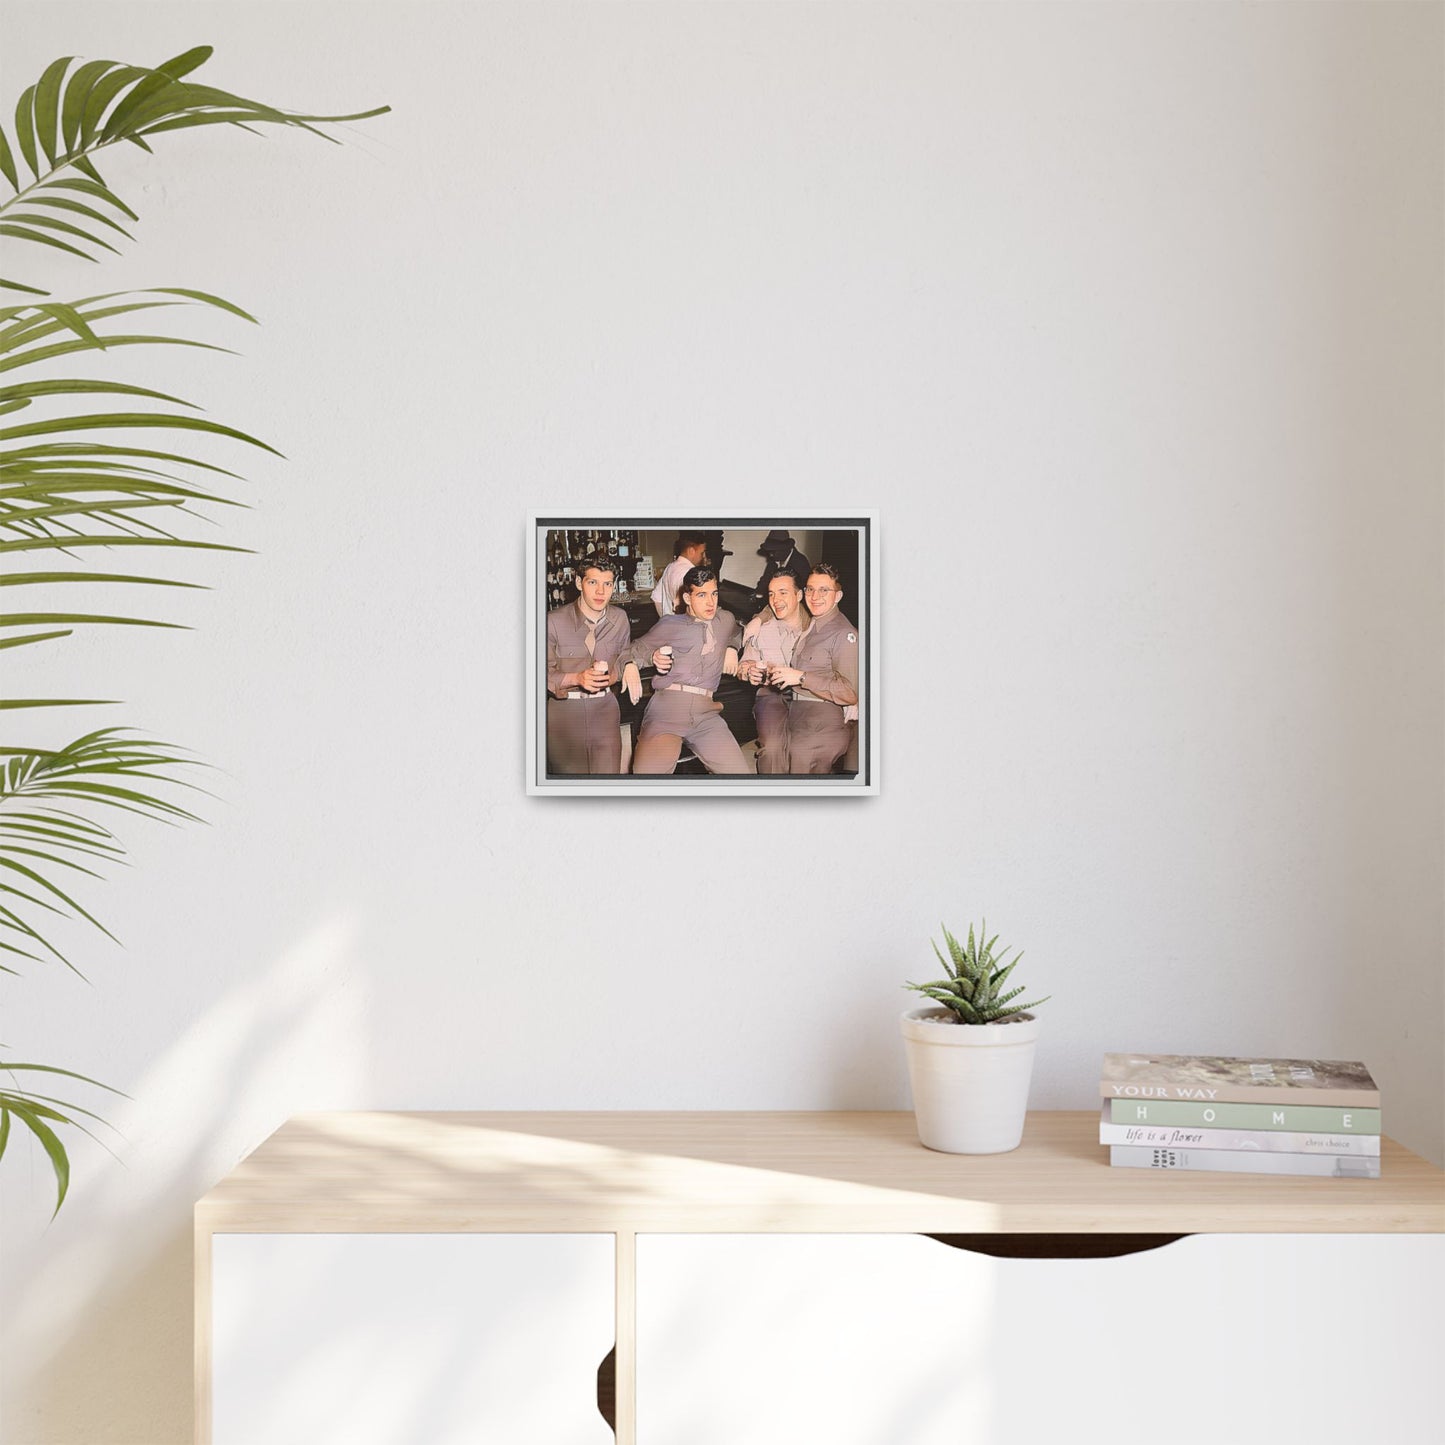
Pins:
x: 970, y: 1081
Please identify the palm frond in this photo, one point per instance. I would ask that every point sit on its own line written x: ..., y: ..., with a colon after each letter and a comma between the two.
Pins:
x: 65, y: 489
x: 62, y: 491
x: 42, y: 1113
x: 74, y: 111
x: 110, y: 768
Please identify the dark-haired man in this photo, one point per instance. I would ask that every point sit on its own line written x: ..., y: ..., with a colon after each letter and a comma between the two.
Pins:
x: 770, y: 640
x: 783, y: 556
x: 690, y: 550
x: 824, y: 679
x: 689, y: 649
x: 587, y: 646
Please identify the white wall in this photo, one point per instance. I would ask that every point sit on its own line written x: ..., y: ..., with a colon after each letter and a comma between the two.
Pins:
x: 1127, y: 321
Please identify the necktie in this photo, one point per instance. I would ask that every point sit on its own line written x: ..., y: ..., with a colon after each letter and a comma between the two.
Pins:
x: 707, y: 643
x: 591, y: 639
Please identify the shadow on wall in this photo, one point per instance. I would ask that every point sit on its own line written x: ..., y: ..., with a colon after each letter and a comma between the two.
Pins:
x: 98, y: 1340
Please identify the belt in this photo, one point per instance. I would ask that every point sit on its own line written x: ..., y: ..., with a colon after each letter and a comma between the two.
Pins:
x: 582, y: 692
x: 683, y: 687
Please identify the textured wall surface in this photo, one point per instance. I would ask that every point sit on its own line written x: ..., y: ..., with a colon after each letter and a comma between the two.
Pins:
x: 1127, y: 321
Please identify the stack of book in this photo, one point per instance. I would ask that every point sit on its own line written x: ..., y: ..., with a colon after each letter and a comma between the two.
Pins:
x: 1244, y: 1116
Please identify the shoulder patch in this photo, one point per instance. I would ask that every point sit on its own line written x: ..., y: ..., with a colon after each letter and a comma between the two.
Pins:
x: 852, y: 637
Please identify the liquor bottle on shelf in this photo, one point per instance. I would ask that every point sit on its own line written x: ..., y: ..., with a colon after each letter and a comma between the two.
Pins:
x: 556, y: 554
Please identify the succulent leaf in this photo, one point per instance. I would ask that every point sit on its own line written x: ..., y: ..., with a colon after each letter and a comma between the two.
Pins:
x: 1003, y: 973
x: 974, y: 989
x: 948, y: 968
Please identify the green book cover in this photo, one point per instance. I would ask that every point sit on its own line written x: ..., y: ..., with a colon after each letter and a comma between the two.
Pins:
x: 1314, y: 1118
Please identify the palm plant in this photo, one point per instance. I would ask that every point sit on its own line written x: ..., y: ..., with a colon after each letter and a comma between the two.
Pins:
x: 74, y: 485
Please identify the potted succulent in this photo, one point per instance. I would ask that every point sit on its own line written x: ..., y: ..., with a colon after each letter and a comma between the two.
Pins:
x: 971, y: 1057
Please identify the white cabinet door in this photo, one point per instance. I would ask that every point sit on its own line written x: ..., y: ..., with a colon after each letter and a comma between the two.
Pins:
x: 398, y: 1339
x: 807, y: 1340
x: 900, y: 1340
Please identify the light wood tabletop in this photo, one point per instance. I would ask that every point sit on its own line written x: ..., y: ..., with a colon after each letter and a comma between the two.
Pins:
x: 762, y: 1172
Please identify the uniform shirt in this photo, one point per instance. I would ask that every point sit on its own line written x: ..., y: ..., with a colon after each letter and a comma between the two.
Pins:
x: 769, y: 641
x: 567, y: 631
x: 686, y: 635
x: 664, y: 595
x: 827, y: 654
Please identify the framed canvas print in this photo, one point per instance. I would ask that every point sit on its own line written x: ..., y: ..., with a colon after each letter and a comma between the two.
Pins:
x: 700, y: 654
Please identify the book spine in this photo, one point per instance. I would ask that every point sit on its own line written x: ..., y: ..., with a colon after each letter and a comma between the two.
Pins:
x: 1269, y: 1141
x: 1297, y: 1118
x: 1234, y: 1161
x: 1240, y: 1094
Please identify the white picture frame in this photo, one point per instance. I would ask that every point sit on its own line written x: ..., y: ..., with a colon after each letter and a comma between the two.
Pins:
x: 849, y: 540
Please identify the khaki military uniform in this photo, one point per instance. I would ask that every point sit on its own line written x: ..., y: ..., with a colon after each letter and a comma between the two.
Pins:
x: 682, y: 707
x: 818, y: 733
x: 584, y: 729
x: 771, y: 643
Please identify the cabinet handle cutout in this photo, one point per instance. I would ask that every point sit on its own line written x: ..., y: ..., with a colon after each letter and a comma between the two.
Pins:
x: 1056, y: 1246
x: 607, y: 1389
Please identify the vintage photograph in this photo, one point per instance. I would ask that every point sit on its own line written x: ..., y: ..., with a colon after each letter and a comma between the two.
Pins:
x: 700, y: 655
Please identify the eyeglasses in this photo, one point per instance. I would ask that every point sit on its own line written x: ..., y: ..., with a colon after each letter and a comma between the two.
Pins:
x: 818, y: 591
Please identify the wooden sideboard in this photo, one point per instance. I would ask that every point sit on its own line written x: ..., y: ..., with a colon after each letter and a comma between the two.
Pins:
x: 627, y: 1175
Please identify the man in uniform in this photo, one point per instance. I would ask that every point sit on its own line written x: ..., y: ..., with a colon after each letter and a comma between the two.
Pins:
x: 783, y: 556
x: 698, y: 641
x: 824, y: 679
x: 584, y: 725
x: 769, y: 640
x: 690, y: 550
